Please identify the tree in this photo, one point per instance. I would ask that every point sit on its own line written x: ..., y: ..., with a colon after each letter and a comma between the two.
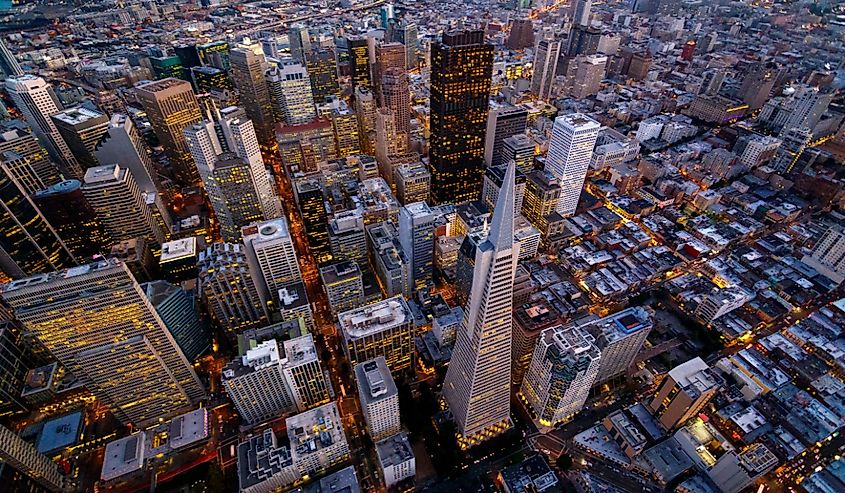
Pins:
x: 564, y: 462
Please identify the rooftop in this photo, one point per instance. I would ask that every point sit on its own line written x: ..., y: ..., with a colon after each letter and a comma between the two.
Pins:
x: 79, y: 116
x: 179, y: 249
x: 375, y: 317
x: 374, y: 380
x: 315, y: 429
x: 394, y: 450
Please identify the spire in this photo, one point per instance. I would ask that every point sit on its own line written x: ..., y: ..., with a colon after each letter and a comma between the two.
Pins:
x: 501, y: 226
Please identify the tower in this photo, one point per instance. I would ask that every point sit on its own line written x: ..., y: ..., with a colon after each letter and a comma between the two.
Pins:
x: 34, y: 97
x: 8, y: 63
x: 545, y: 67
x: 503, y: 121
x: 397, y: 97
x: 292, y: 85
x: 570, y: 150
x: 64, y: 206
x: 83, y: 130
x: 32, y: 166
x: 518, y: 148
x: 124, y: 144
x: 26, y: 459
x: 110, y: 336
x: 416, y: 234
x: 477, y: 384
x: 359, y: 53
x: 271, y: 257
x: 461, y: 75
x: 248, y: 68
x: 172, y: 107
x: 237, y: 188
x: 300, y: 42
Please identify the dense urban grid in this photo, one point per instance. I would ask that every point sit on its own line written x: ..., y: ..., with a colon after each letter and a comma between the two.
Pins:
x: 350, y: 246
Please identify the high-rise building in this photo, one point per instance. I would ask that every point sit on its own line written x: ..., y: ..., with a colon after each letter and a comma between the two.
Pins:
x: 345, y: 126
x: 580, y: 12
x: 229, y: 289
x: 589, y: 72
x: 518, y: 148
x: 347, y: 237
x: 412, y: 182
x: 807, y: 108
x: 317, y: 440
x: 234, y: 179
x: 461, y: 75
x: 416, y: 234
x: 276, y: 377
x: 379, y: 398
x: 26, y: 459
x: 388, y: 57
x: 309, y: 200
x: 365, y: 110
x: 756, y: 150
x: 28, y: 242
x: 793, y: 142
x: 477, y: 384
x: 396, y: 459
x: 292, y: 93
x: 123, y: 144
x: 322, y: 69
x: 562, y: 371
x: 392, y: 266
x: 83, y: 130
x: 503, y: 121
x: 168, y: 66
x: 178, y: 312
x: 570, y: 151
x: 16, y: 360
x: 542, y: 194
x: 171, y: 107
x: 300, y: 41
x: 344, y: 286
x: 620, y: 338
x: 521, y: 34
x: 34, y: 97
x: 410, y: 38
x: 828, y: 255
x: 545, y: 67
x: 120, y: 204
x: 248, y: 68
x: 64, y: 206
x: 493, y: 182
x: 396, y: 96
x: 8, y: 63
x: 215, y: 54
x: 686, y: 390
x: 25, y: 157
x: 757, y: 85
x: 110, y: 336
x: 271, y: 256
x: 384, y: 328
x: 208, y: 142
x: 359, y: 53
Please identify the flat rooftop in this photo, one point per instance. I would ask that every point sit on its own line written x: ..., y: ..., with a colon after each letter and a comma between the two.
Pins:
x: 375, y: 317
x: 394, y: 450
x: 59, y: 433
x: 179, y: 249
x: 374, y: 380
x: 123, y: 456
x: 79, y: 116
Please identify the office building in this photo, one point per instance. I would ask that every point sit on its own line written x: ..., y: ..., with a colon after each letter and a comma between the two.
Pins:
x: 416, y: 234
x: 235, y: 181
x: 110, y: 337
x: 178, y: 259
x: 570, y: 150
x: 521, y: 34
x: 293, y: 304
x: 828, y: 255
x: 493, y: 181
x: 562, y: 371
x: 210, y: 79
x: 25, y: 157
x: 300, y: 41
x: 229, y: 289
x: 461, y: 74
x: 178, y: 312
x: 396, y: 459
x: 503, y: 122
x: 8, y: 63
x: 65, y: 208
x: 518, y: 148
x: 271, y: 256
x: 322, y: 69
x: 365, y: 110
x: 392, y: 267
x: 756, y: 150
x: 317, y: 439
x: 347, y: 237
x: 793, y: 142
x: 620, y: 337
x: 359, y: 54
x: 389, y: 57
x: 588, y: 74
x: 545, y: 68
x: 167, y: 66
x: 83, y: 130
x: 757, y: 85
x: 384, y: 328
x: 412, y: 182
x: 477, y: 384
x: 248, y: 68
x: 309, y: 200
x: 396, y: 96
x: 292, y: 93
x: 121, y: 205
x: 171, y: 107
x: 684, y: 392
x: 343, y: 285
x: 16, y: 360
x: 276, y: 377
x: 123, y: 144
x: 379, y: 398
x: 21, y: 455
x: 35, y: 99
x: 345, y: 127
x: 542, y: 194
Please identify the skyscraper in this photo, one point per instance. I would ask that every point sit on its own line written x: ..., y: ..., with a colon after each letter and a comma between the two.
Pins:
x: 109, y: 335
x: 172, y: 107
x: 322, y: 69
x: 379, y: 398
x: 32, y: 167
x: 570, y: 151
x: 248, y: 68
x: 359, y: 53
x: 384, y: 328
x: 300, y: 42
x: 25, y: 458
x: 518, y: 148
x: 291, y: 88
x: 503, y: 121
x: 561, y: 373
x: 237, y: 189
x: 416, y: 234
x: 397, y: 97
x: 757, y: 85
x: 64, y: 206
x: 521, y: 34
x: 620, y: 337
x: 545, y: 67
x: 365, y: 110
x: 343, y: 285
x: 124, y: 144
x: 271, y: 257
x: 461, y: 72
x: 120, y: 204
x: 28, y: 242
x: 178, y: 312
x: 309, y: 200
x: 34, y: 97
x: 388, y: 56
x: 8, y: 63
x: 580, y: 12
x: 83, y: 130
x: 229, y: 288
x: 348, y: 238
x: 477, y: 384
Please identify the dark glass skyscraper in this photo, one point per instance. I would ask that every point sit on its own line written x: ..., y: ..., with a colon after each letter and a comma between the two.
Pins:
x: 76, y: 222
x: 461, y: 71
x: 359, y: 59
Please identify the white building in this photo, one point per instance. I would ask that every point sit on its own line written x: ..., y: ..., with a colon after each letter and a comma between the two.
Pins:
x: 720, y: 303
x: 620, y: 338
x: 570, y: 152
x: 416, y: 234
x: 271, y: 257
x: 562, y: 371
x: 477, y: 384
x: 379, y: 398
x: 275, y: 378
x: 828, y: 256
x: 396, y: 459
x: 290, y: 87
